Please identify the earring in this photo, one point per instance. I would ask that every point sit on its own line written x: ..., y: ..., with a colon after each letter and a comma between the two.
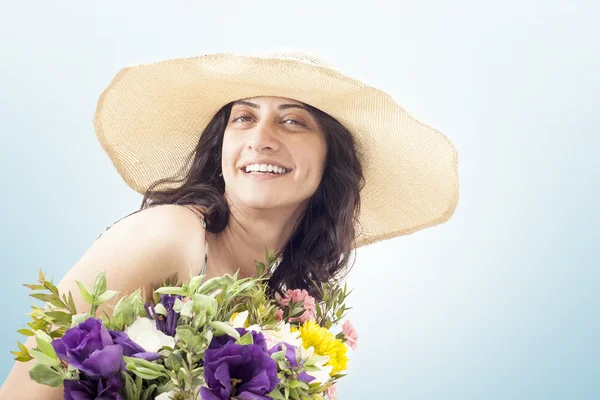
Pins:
x: 221, y: 174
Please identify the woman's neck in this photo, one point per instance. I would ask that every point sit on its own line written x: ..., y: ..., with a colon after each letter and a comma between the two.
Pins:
x: 247, y: 233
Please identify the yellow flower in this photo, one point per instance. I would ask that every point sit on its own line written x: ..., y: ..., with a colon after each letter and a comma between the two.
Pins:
x: 325, y: 344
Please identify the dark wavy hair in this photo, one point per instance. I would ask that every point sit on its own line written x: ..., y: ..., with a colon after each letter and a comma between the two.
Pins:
x: 322, y: 242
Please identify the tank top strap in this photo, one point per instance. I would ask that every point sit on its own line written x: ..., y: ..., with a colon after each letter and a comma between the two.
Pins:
x: 201, y: 217
x: 189, y: 207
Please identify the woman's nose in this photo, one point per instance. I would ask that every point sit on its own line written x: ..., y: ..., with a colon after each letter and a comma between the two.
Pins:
x: 263, y: 138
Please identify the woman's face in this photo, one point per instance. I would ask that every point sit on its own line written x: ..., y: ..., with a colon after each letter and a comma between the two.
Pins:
x: 273, y: 153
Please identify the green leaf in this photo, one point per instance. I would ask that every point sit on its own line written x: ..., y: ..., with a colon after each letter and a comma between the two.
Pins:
x: 51, y: 287
x: 147, y: 394
x: 57, y: 333
x: 87, y: 297
x: 60, y: 317
x: 302, y: 385
x: 173, y: 290
x: 23, y: 358
x: 142, y: 372
x: 225, y: 328
x: 79, y: 318
x: 46, y: 348
x: 35, y: 287
x: 278, y: 356
x: 205, y: 302
x: 185, y: 334
x: 37, y: 324
x: 22, y: 347
x: 72, y: 307
x: 276, y: 394
x: 49, y: 298
x: 43, y: 359
x: 25, y: 332
x: 294, y: 394
x: 195, y: 282
x: 246, y: 339
x: 46, y: 375
x: 160, y: 309
x: 138, y: 383
x: 127, y: 310
x: 260, y: 268
x: 107, y: 295
x: 211, y: 285
x: 99, y: 284
x: 130, y: 387
x: 144, y: 366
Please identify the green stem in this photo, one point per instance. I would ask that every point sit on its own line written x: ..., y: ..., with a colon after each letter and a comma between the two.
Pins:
x: 93, y: 309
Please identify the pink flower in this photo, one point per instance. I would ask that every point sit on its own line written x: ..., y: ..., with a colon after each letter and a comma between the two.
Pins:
x: 279, y: 315
x: 298, y: 295
x: 331, y: 393
x: 350, y: 334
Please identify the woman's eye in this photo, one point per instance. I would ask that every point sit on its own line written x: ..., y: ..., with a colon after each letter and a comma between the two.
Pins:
x: 241, y: 118
x: 294, y: 122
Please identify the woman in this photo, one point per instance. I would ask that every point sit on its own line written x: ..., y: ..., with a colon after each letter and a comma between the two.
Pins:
x: 287, y: 144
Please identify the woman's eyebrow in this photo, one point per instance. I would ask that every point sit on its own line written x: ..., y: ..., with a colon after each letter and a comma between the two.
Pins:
x: 279, y: 107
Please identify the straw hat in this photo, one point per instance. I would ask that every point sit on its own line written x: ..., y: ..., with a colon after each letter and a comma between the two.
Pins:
x: 150, y: 118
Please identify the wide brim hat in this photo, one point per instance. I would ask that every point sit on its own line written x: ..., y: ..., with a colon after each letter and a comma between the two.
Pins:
x: 151, y: 116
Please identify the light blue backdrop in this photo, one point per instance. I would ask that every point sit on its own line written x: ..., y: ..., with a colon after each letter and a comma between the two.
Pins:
x: 499, y: 303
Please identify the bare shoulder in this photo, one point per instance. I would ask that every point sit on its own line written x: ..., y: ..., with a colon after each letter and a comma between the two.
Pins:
x: 143, y: 250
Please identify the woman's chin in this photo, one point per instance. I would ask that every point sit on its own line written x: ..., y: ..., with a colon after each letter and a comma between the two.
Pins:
x: 261, y: 203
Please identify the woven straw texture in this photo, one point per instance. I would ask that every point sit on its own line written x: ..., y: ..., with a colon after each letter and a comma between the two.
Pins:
x: 150, y: 117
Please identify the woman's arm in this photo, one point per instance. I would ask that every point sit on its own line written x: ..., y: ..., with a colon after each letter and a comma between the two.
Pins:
x: 139, y: 251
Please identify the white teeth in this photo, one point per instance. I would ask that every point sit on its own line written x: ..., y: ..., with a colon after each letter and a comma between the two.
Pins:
x: 265, y: 168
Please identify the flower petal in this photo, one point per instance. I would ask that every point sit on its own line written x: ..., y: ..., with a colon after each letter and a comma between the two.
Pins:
x: 105, y: 362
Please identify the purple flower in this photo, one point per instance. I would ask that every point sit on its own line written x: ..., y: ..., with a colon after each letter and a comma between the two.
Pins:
x: 246, y: 372
x: 94, y: 350
x: 88, y: 388
x: 90, y: 348
x: 169, y: 325
x: 290, y: 355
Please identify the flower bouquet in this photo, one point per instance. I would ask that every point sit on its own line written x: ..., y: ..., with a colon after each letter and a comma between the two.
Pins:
x: 224, y: 338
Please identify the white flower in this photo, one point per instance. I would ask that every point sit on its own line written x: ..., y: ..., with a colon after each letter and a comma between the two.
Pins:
x: 282, y: 333
x: 166, y: 395
x: 322, y: 374
x: 255, y: 328
x: 143, y: 332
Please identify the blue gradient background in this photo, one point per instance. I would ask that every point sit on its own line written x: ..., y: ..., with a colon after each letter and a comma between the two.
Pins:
x: 499, y: 303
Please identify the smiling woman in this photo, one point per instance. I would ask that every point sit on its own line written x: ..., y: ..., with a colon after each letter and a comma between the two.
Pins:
x: 279, y: 151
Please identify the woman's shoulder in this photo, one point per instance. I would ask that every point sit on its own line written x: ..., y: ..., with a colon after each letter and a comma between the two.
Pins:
x: 162, y: 216
x: 177, y: 231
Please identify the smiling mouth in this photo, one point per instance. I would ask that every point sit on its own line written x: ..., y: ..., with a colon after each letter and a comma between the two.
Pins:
x: 264, y: 169
x: 264, y: 173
